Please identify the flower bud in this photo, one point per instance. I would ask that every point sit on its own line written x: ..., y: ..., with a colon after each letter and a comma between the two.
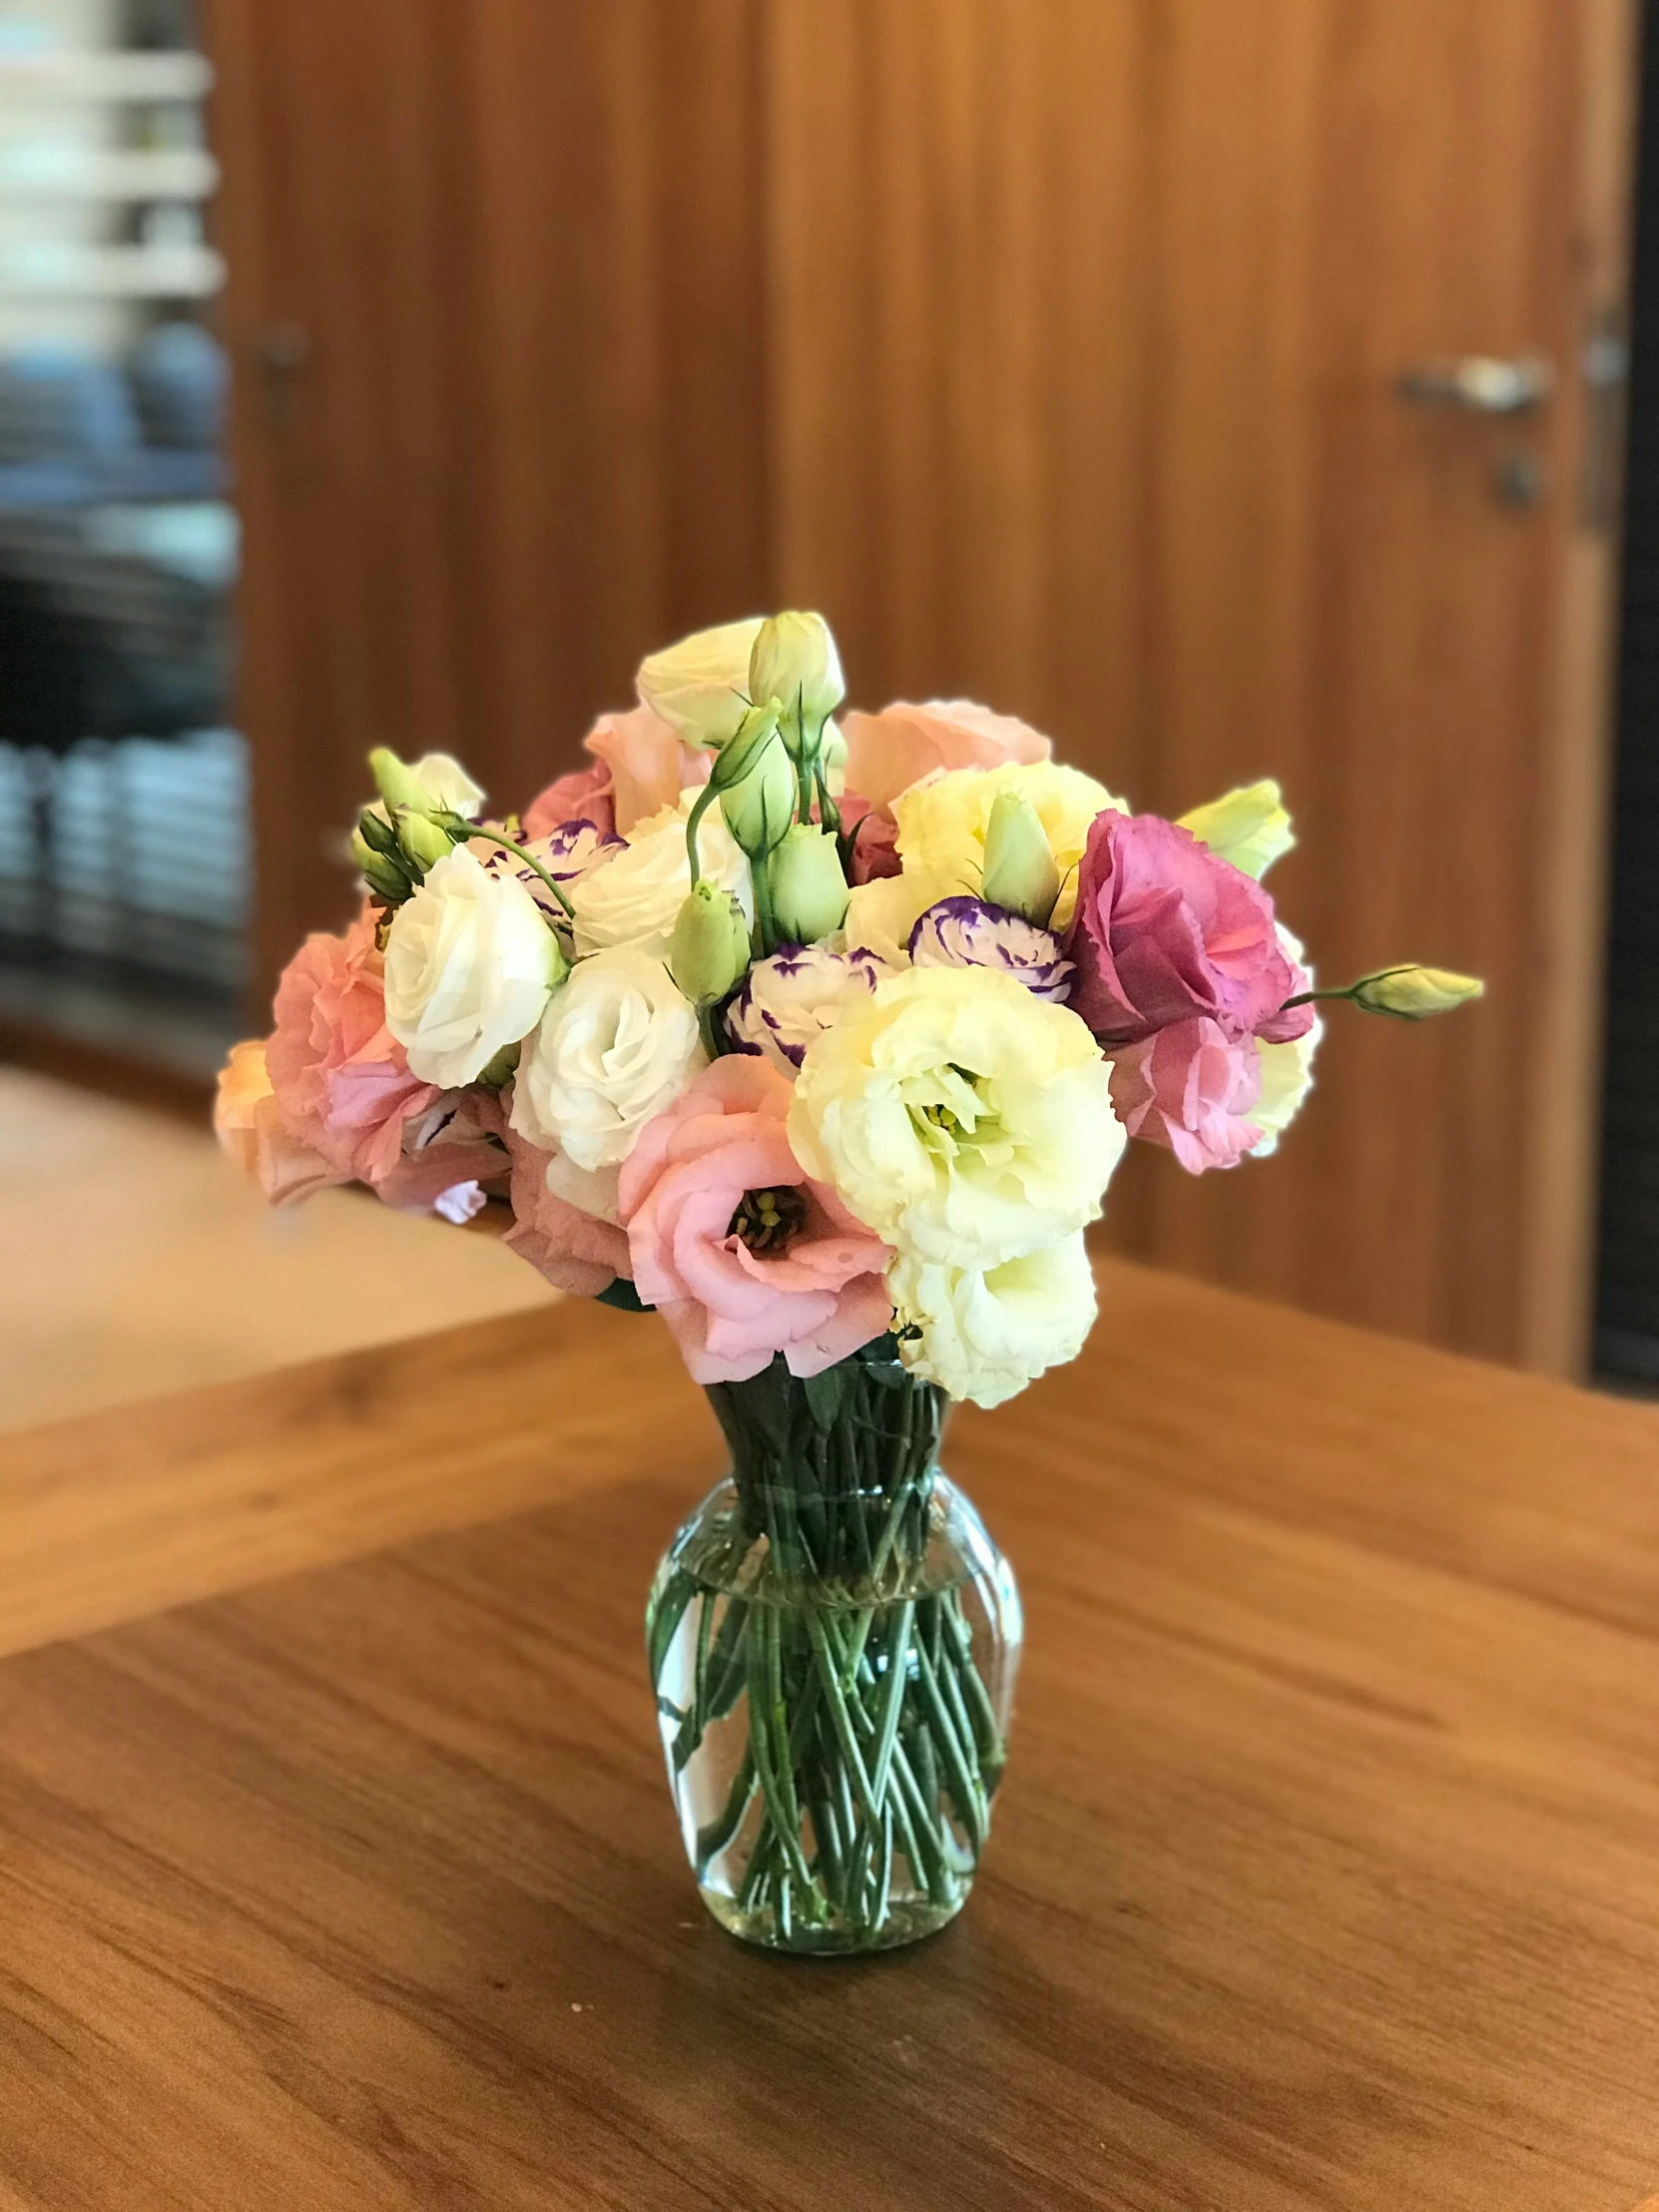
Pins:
x: 1019, y: 874
x: 794, y: 658
x: 760, y: 808
x: 1247, y: 827
x: 709, y: 949
x: 436, y: 784
x: 1413, y: 993
x: 422, y: 843
x: 382, y: 874
x: 808, y: 891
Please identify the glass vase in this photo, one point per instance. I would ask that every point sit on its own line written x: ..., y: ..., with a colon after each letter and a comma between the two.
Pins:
x: 832, y: 1639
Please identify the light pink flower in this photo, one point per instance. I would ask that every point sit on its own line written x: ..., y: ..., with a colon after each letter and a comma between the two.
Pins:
x: 1165, y: 934
x: 874, y: 835
x: 448, y: 1156
x: 816, y: 1298
x: 641, y: 766
x: 248, y: 1123
x: 339, y: 1074
x: 1191, y: 1088
x: 575, y: 1251
x: 888, y: 752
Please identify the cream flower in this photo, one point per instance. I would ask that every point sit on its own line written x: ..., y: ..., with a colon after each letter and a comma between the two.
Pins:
x: 942, y: 820
x: 700, y: 685
x: 983, y: 1334
x: 618, y: 1045
x: 961, y: 1119
x: 881, y: 913
x: 1286, y: 1069
x: 635, y: 898
x: 470, y: 963
x: 1246, y: 827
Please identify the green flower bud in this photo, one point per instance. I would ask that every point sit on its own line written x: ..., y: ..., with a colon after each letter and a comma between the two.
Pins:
x: 761, y: 807
x: 383, y: 875
x: 421, y: 840
x: 744, y: 746
x: 1247, y: 827
x: 793, y: 659
x: 808, y: 891
x: 435, y: 782
x: 1019, y: 870
x: 1413, y: 993
x: 709, y: 949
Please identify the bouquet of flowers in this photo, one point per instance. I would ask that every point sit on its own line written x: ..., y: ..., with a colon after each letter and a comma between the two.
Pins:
x: 822, y: 1040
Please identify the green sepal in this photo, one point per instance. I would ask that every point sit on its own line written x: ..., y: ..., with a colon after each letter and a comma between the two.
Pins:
x: 621, y: 1293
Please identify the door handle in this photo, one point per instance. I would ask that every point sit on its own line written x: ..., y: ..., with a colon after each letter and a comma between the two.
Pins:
x: 1481, y: 383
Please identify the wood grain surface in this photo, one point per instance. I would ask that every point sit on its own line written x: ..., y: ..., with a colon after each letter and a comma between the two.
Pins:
x: 1323, y: 1875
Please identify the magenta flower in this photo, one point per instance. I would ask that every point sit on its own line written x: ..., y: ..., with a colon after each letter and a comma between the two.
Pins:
x: 742, y: 1253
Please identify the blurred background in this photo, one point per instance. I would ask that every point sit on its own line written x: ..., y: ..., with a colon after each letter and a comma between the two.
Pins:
x: 1230, y: 390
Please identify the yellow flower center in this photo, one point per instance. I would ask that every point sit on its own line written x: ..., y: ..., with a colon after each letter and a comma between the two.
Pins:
x: 768, y: 1220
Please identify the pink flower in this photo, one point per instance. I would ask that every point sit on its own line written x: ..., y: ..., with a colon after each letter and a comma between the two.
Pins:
x: 811, y: 1286
x: 876, y: 843
x: 339, y: 1076
x: 575, y: 1251
x: 641, y: 766
x: 888, y: 752
x: 248, y: 1123
x: 1191, y: 1088
x: 448, y: 1155
x: 1166, y: 933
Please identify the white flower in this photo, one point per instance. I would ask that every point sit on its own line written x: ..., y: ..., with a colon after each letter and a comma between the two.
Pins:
x: 636, y: 897
x: 700, y: 685
x: 618, y: 1045
x: 470, y: 964
x: 790, y: 999
x: 942, y: 822
x: 1286, y: 1069
x: 961, y: 1119
x: 983, y: 1334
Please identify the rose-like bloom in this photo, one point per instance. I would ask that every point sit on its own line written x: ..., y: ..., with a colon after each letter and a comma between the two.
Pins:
x: 1248, y: 826
x: 635, y: 898
x: 961, y: 1119
x: 1165, y: 932
x: 700, y: 685
x: 985, y: 1333
x: 616, y: 1046
x: 742, y: 1253
x: 341, y: 1080
x: 640, y: 766
x: 965, y: 933
x: 470, y: 964
x: 248, y: 1124
x: 943, y: 823
x: 1192, y: 1088
x: 874, y: 835
x: 787, y: 1000
x: 575, y: 1251
x: 888, y: 752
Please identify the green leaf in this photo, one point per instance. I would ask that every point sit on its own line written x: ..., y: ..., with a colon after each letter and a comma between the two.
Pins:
x: 824, y: 1396
x: 622, y: 1295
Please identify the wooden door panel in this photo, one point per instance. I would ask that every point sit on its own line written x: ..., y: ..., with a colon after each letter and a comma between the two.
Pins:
x: 1086, y: 406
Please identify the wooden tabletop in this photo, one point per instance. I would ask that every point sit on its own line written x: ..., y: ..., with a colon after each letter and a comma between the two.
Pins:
x: 337, y: 1867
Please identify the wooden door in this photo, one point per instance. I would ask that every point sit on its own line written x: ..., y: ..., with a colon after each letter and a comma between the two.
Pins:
x: 495, y: 303
x: 1089, y: 320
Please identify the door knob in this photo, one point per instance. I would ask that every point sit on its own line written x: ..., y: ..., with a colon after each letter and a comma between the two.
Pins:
x: 1481, y: 383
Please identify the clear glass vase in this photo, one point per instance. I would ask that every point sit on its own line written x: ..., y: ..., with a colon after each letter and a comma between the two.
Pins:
x: 833, y: 1640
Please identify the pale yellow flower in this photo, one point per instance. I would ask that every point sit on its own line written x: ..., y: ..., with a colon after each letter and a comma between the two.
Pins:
x: 985, y: 1333
x: 1247, y: 827
x: 942, y: 820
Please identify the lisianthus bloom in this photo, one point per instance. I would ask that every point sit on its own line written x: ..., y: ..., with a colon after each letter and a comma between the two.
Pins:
x: 618, y: 1043
x: 451, y: 1149
x: 985, y: 1333
x: 248, y: 1123
x: 961, y: 1119
x: 1190, y: 1087
x: 700, y: 685
x: 341, y: 1080
x: 888, y: 752
x: 793, y: 997
x: 575, y: 1250
x: 635, y: 898
x: 965, y: 933
x: 942, y: 822
x: 470, y: 962
x: 1165, y: 932
x: 1247, y: 827
x: 640, y: 764
x: 743, y: 1253
x: 872, y: 840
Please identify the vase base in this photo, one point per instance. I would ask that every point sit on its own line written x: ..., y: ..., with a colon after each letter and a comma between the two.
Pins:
x: 907, y: 1923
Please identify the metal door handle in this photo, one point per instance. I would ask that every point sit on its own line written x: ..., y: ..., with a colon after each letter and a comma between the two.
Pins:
x: 1481, y: 383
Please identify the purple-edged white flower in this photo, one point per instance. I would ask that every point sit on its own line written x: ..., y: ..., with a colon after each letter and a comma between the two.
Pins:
x: 965, y: 933
x: 568, y: 854
x: 787, y: 1000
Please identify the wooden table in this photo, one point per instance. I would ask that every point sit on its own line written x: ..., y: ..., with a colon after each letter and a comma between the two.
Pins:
x: 337, y: 1869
